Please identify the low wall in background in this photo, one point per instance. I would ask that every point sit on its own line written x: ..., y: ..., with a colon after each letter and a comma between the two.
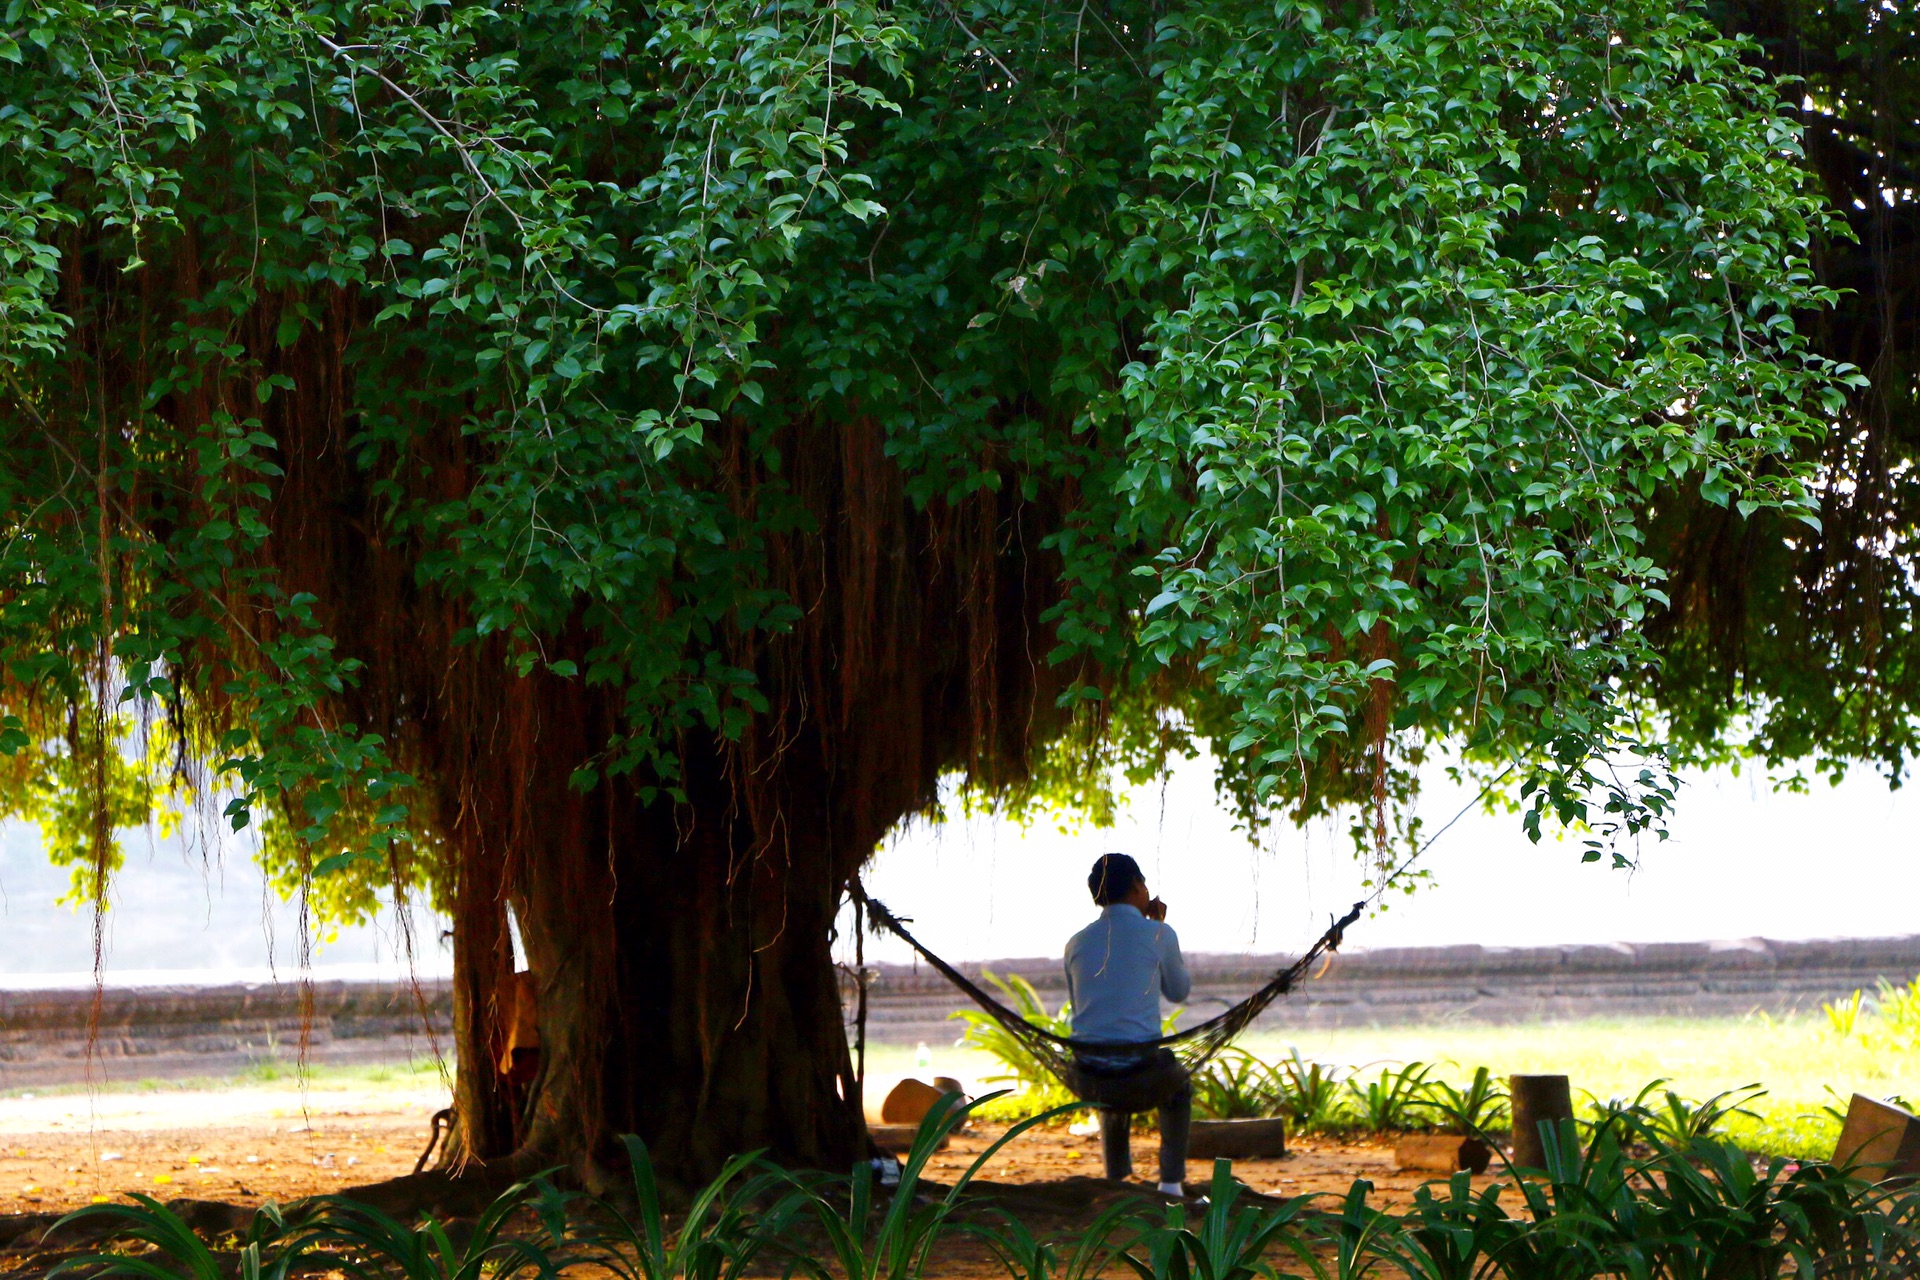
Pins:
x: 171, y: 1032
x: 1469, y: 984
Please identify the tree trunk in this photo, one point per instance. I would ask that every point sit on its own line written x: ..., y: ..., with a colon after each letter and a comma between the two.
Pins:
x: 681, y: 949
x: 688, y: 988
x: 682, y: 953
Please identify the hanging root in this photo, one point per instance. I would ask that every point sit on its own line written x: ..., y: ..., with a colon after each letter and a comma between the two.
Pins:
x: 442, y: 1119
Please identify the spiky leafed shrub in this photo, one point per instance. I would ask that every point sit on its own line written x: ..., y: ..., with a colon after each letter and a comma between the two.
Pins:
x: 1627, y: 1194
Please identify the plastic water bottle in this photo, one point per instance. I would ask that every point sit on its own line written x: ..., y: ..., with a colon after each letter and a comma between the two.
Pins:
x: 922, y: 1057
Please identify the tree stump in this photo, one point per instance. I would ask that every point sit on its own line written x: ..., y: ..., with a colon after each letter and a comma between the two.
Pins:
x: 1441, y: 1153
x: 1537, y: 1099
x: 1882, y: 1140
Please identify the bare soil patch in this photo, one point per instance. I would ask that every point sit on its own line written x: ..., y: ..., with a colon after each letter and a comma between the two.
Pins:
x: 241, y: 1146
x: 1313, y: 1166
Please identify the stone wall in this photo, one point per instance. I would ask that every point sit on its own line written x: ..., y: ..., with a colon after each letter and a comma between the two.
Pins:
x: 172, y: 1032
x: 1469, y: 984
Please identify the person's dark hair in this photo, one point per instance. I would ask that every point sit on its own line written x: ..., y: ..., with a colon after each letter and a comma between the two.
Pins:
x: 1113, y: 877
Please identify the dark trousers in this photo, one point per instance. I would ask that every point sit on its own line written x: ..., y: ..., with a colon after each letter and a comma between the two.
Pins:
x: 1119, y: 1088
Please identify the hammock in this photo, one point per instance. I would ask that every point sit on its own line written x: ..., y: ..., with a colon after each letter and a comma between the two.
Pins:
x: 1193, y: 1047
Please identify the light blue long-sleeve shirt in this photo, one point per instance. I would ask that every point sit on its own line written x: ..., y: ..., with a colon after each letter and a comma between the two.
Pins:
x: 1118, y: 967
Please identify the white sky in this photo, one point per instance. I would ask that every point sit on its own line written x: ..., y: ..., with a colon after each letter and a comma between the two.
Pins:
x: 173, y: 910
x: 1744, y: 861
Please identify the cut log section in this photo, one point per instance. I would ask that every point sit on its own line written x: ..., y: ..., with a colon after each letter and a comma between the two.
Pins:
x: 1441, y: 1153
x: 1238, y: 1140
x: 1879, y: 1139
x: 910, y: 1101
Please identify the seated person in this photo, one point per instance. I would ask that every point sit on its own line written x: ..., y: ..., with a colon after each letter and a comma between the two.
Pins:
x: 1118, y: 967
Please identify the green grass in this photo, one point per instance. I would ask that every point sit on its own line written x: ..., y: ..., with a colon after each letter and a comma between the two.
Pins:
x: 1802, y: 1064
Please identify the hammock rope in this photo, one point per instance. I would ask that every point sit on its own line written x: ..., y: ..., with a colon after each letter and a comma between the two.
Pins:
x: 1193, y: 1046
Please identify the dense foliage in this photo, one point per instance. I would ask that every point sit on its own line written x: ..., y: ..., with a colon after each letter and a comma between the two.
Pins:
x: 1790, y: 641
x: 1344, y: 351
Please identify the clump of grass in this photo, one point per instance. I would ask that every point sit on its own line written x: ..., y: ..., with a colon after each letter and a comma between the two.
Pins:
x: 1801, y: 1058
x: 1391, y: 1102
x: 1311, y: 1093
x: 1843, y: 1016
x: 1798, y: 1058
x: 1020, y: 1066
x: 1238, y: 1086
x: 1025, y: 1104
x: 1480, y: 1106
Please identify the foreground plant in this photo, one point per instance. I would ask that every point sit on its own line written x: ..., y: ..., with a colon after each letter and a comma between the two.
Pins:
x: 1460, y: 1234
x: 869, y: 1241
x: 1028, y: 1257
x: 371, y: 1244
x: 1229, y: 1242
x: 721, y: 1233
x: 265, y: 1253
x: 1623, y: 1196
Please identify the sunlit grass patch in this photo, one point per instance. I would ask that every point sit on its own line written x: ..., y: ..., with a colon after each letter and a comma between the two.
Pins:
x: 273, y: 1071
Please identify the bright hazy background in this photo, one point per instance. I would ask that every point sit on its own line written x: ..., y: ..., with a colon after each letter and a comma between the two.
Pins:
x: 1744, y: 861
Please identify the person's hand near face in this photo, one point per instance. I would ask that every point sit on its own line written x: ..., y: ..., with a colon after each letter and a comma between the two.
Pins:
x: 1145, y: 903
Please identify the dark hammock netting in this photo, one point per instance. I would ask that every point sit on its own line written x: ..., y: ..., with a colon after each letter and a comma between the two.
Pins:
x: 1193, y: 1046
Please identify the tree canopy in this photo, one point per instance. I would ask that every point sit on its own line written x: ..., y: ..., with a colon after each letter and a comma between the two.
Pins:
x: 1308, y: 379
x: 1794, y: 644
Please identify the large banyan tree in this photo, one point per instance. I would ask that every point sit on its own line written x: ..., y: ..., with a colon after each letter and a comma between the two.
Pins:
x: 611, y: 460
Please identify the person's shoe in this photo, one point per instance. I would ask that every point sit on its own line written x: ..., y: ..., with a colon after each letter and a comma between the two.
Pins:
x: 1173, y: 1189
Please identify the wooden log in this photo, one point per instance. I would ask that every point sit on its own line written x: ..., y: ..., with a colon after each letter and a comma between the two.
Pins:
x: 1441, y: 1153
x: 1879, y: 1139
x: 909, y: 1102
x: 1238, y: 1140
x: 1537, y: 1099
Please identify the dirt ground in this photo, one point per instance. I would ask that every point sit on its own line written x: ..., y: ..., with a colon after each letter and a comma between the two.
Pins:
x: 1310, y: 1167
x: 245, y: 1146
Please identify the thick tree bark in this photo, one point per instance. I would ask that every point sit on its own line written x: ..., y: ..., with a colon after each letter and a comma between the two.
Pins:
x: 688, y: 992
x: 682, y: 949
